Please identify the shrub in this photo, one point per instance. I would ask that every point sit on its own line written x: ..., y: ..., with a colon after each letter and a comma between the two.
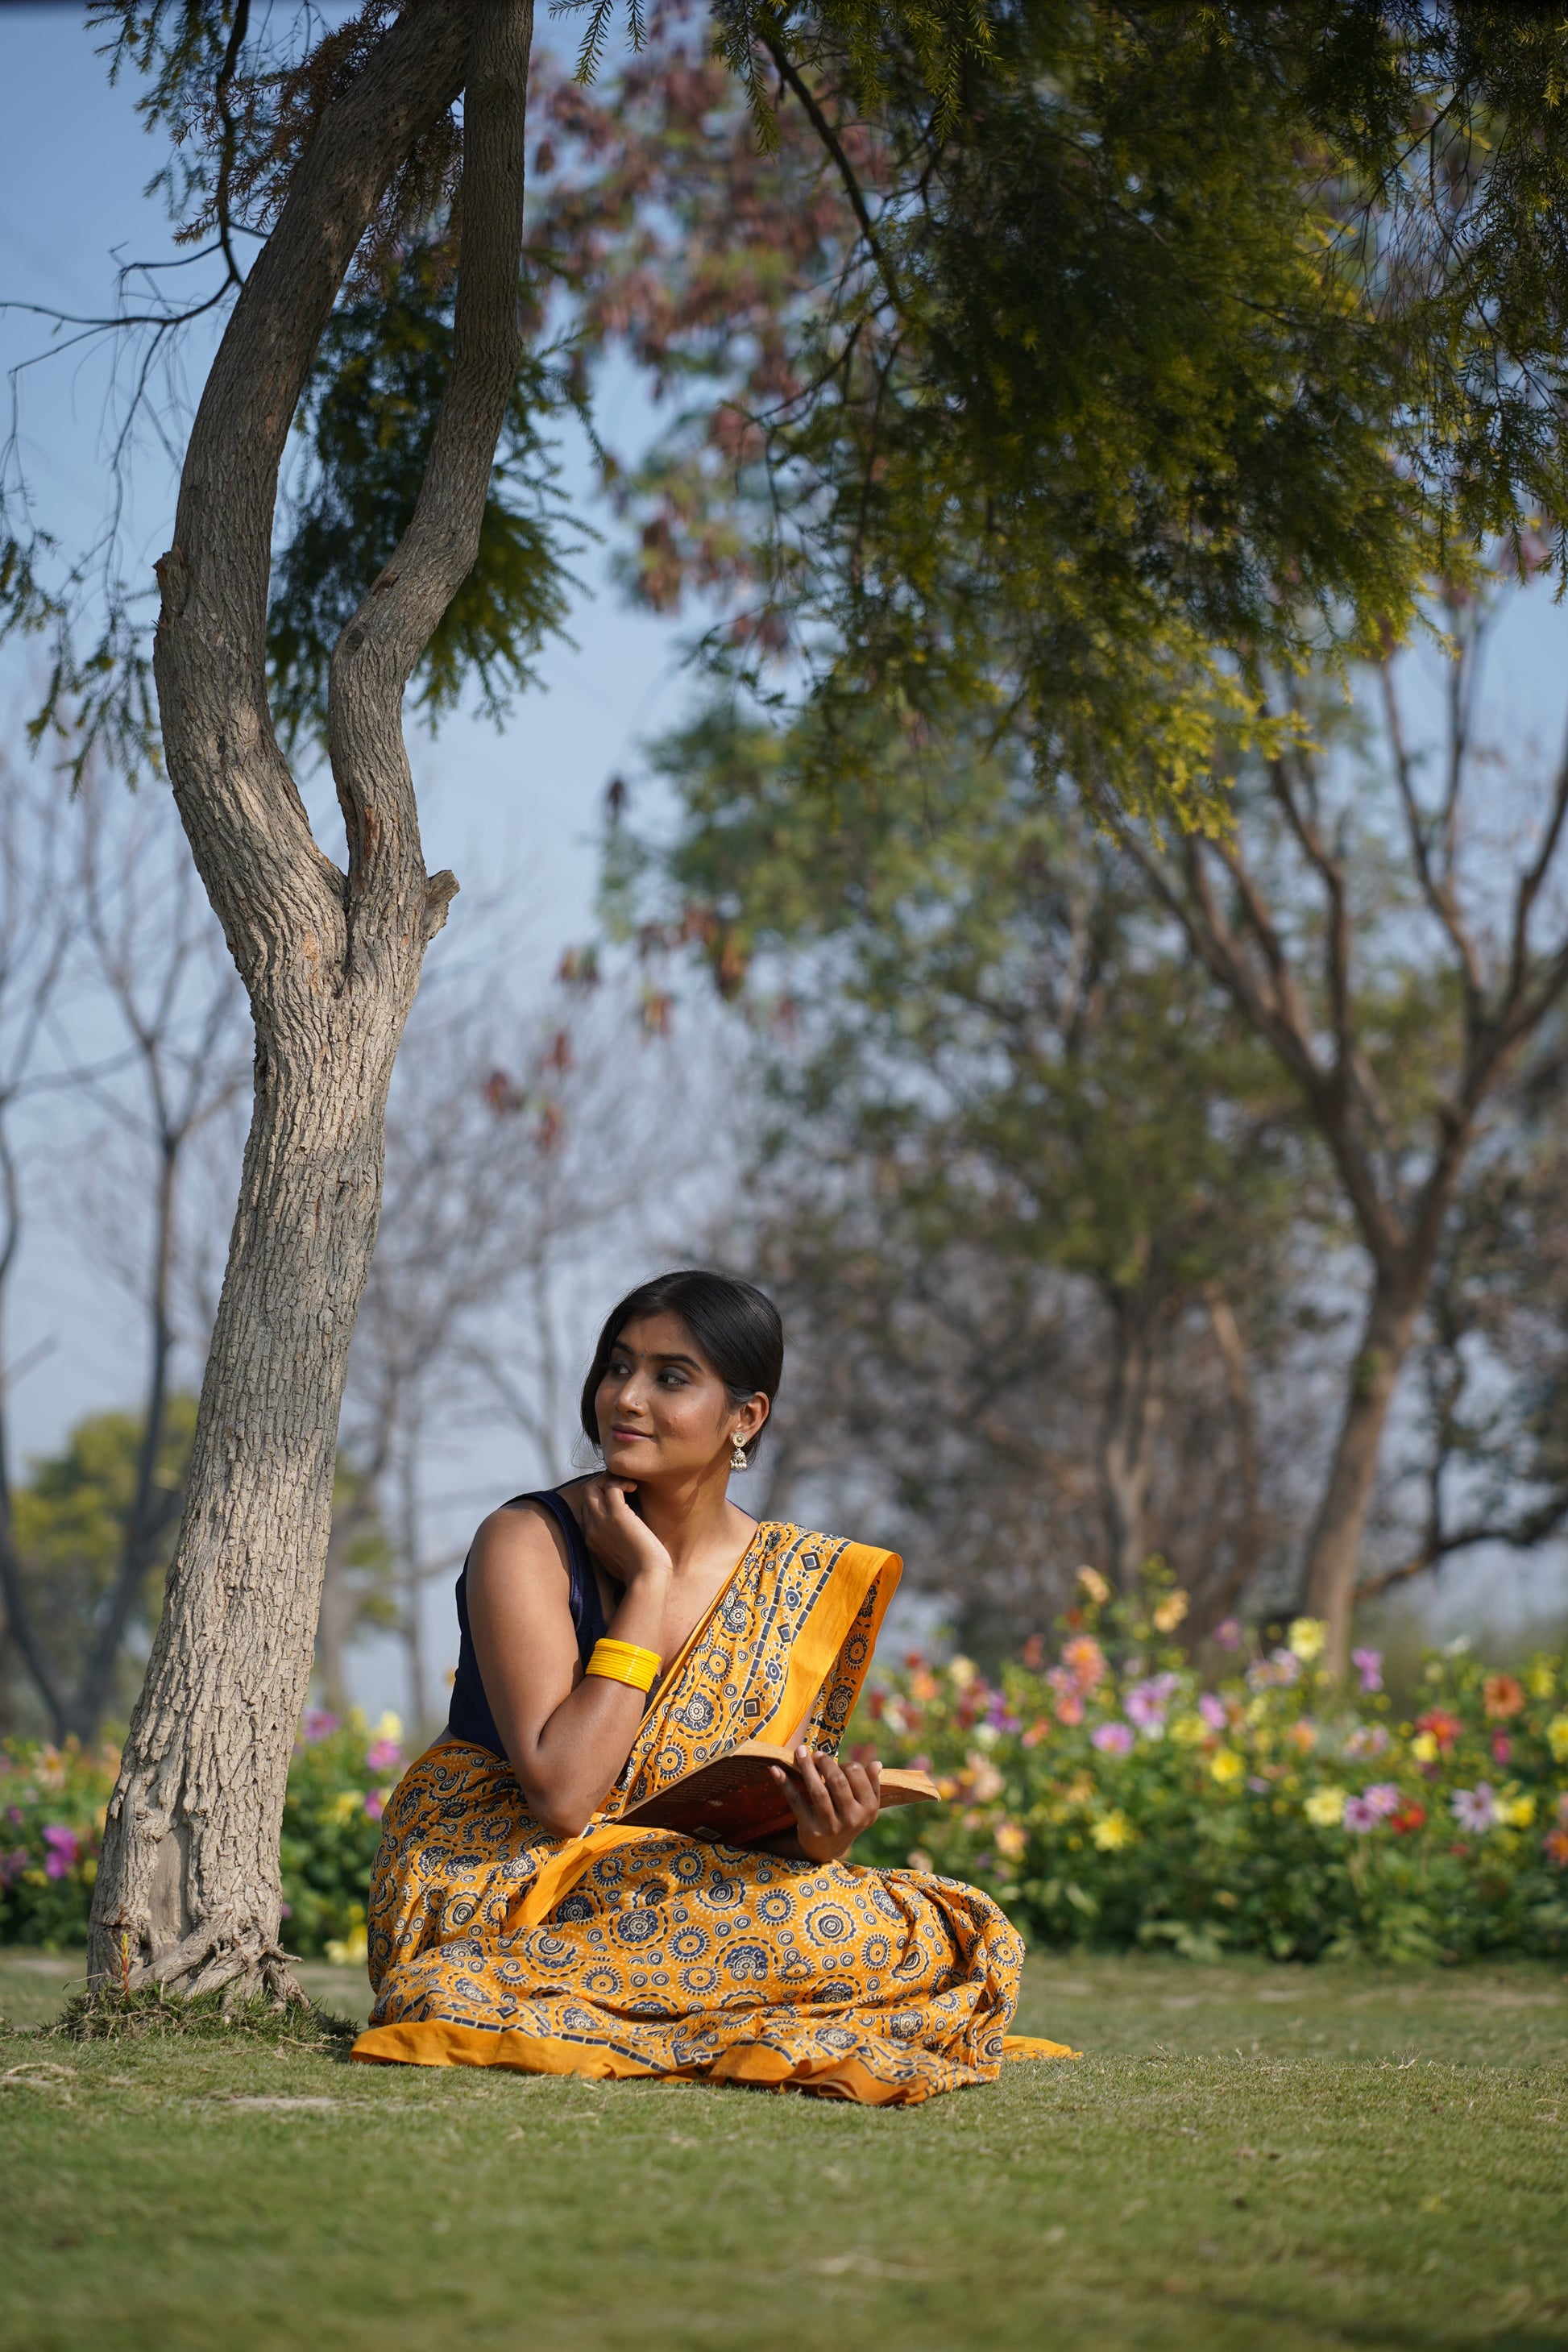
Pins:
x: 1111, y: 1798
x: 52, y: 1805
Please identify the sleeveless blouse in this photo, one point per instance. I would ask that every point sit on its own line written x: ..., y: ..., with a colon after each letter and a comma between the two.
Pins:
x: 470, y: 1717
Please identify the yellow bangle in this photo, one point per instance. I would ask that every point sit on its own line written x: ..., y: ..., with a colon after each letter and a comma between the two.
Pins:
x: 623, y: 1662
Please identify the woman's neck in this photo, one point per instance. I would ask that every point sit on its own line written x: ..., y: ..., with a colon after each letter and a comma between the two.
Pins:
x: 691, y: 1518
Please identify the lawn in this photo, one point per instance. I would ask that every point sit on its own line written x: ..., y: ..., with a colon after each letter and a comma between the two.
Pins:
x: 1245, y: 2155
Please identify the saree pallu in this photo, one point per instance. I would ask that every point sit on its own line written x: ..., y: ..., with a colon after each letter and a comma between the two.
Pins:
x: 642, y: 1952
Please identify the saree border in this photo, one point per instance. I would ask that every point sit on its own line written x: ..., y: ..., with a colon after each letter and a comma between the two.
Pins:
x: 438, y: 2042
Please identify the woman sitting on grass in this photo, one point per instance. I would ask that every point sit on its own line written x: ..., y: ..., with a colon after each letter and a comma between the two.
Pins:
x: 616, y: 1633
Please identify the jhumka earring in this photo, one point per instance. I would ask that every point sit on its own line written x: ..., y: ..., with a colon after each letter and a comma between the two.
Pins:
x: 738, y: 1454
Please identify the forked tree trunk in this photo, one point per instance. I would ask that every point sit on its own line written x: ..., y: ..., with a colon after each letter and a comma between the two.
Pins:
x: 1333, y: 1549
x: 188, y: 1890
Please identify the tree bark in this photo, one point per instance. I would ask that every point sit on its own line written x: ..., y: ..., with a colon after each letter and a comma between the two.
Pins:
x: 1132, y: 1411
x: 1333, y: 1549
x: 188, y: 1891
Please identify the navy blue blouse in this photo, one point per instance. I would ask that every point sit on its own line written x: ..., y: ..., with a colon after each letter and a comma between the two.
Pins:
x: 470, y: 1716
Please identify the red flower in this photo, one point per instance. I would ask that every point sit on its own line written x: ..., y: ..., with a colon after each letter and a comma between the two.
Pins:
x: 1556, y: 1846
x: 1408, y: 1819
x: 1444, y: 1727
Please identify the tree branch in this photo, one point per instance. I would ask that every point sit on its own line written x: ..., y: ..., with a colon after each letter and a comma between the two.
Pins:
x: 375, y: 655
x: 279, y: 899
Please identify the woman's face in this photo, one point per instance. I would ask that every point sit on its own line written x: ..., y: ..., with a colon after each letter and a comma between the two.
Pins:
x: 663, y: 1411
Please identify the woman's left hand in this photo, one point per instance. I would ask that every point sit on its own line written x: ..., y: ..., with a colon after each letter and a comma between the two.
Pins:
x: 832, y: 1802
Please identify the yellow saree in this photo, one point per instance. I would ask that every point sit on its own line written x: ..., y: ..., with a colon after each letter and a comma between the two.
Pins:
x: 642, y: 1952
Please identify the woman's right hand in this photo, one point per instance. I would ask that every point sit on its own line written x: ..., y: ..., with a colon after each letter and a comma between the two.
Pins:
x: 625, y: 1544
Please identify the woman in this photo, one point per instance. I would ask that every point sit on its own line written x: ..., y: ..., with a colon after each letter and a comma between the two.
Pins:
x: 614, y: 1635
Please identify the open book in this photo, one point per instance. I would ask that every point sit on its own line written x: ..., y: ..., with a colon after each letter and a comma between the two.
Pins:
x: 734, y: 1797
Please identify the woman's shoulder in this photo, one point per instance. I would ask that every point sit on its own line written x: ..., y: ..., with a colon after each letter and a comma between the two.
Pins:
x: 523, y: 1525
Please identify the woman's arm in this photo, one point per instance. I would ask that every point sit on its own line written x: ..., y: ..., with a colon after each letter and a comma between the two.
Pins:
x: 567, y: 1733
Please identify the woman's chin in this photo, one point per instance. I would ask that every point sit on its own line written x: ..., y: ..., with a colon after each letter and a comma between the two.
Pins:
x: 632, y: 1461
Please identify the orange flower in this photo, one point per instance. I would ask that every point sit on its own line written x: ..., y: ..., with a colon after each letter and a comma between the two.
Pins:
x: 1444, y: 1727
x: 1503, y: 1695
x: 1556, y: 1845
x: 1085, y: 1661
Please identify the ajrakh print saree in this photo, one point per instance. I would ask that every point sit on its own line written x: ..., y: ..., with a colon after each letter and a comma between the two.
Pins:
x: 642, y: 1952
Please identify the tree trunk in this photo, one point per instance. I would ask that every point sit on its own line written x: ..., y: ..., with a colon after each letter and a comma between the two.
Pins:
x: 188, y: 1891
x: 1132, y: 1411
x: 189, y: 1874
x: 1333, y: 1550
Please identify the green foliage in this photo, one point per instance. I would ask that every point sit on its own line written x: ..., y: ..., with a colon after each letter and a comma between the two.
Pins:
x: 1111, y: 1799
x: 982, y: 987
x: 70, y: 1522
x: 369, y: 415
x: 52, y: 1806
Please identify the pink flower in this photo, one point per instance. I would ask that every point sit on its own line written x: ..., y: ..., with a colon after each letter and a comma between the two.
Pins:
x: 317, y: 1724
x: 64, y: 1850
x: 382, y: 1756
x: 1474, y: 1809
x: 1383, y: 1799
x: 1367, y: 1739
x: 12, y: 1864
x: 374, y: 1803
x: 1212, y: 1709
x: 1147, y: 1701
x: 1360, y: 1815
x: 1368, y: 1665
x: 1228, y: 1633
x: 1502, y: 1748
x: 1111, y: 1738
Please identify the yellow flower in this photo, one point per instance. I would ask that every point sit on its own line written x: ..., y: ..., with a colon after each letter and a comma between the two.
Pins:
x: 1424, y: 1748
x: 1542, y: 1681
x: 1171, y: 1612
x: 389, y: 1727
x: 1521, y: 1813
x: 961, y: 1671
x: 1094, y: 1586
x: 1189, y: 1731
x: 1557, y: 1732
x: 344, y: 1951
x: 1325, y: 1807
x: 346, y: 1805
x: 1114, y: 1832
x: 1307, y: 1638
x: 1011, y: 1839
x: 1225, y: 1767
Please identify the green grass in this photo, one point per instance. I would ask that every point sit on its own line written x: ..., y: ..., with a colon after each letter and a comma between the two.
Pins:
x: 1246, y: 2156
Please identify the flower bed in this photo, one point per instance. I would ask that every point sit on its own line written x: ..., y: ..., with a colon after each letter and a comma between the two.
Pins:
x: 52, y: 1803
x: 1110, y: 1795
x: 1112, y: 1798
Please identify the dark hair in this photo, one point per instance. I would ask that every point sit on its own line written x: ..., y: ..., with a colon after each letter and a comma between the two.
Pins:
x: 735, y: 1326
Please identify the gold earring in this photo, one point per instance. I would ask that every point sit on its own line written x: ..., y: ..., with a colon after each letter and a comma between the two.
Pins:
x: 738, y: 1454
